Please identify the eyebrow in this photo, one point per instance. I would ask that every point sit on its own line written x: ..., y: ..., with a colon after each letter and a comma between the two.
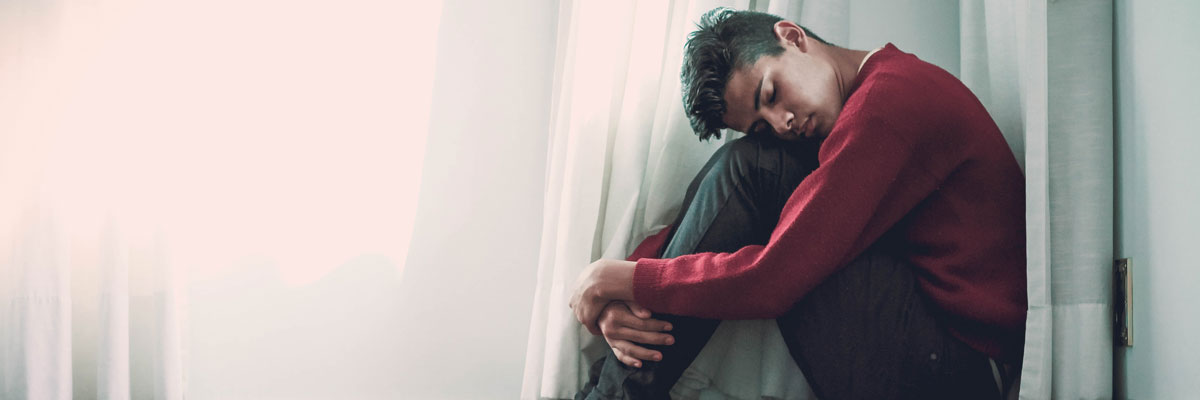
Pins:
x: 757, y: 95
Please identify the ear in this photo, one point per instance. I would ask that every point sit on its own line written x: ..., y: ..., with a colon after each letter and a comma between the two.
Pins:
x: 790, y: 34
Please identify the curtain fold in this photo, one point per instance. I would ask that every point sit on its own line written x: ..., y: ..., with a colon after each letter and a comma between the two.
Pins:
x: 35, y: 323
x: 82, y: 314
x: 88, y: 313
x: 1080, y: 52
x: 112, y: 358
x: 283, y: 164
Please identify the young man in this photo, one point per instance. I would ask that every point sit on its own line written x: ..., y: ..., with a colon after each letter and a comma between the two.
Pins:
x: 895, y: 268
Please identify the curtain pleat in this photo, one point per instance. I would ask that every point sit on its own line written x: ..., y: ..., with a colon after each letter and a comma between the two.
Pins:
x: 1080, y: 152
x: 75, y: 326
x: 36, y: 321
x: 112, y: 361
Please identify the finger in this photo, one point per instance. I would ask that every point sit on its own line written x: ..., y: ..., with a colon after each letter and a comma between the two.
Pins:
x: 633, y: 350
x: 612, y: 328
x: 614, y: 310
x: 639, y: 311
x: 643, y: 324
x: 589, y: 318
x: 634, y: 335
x: 627, y: 353
x: 591, y: 326
x: 626, y: 359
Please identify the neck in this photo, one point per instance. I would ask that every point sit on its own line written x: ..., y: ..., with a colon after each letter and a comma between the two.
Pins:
x: 845, y: 67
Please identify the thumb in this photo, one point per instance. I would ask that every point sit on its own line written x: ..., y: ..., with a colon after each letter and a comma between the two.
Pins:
x: 639, y: 311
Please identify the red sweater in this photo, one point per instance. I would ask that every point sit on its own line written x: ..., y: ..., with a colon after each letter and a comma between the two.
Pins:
x: 914, y: 162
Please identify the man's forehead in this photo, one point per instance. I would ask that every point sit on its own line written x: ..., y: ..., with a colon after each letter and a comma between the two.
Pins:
x: 739, y: 95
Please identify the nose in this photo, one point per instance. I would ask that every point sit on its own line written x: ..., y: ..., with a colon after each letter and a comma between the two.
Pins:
x: 781, y: 121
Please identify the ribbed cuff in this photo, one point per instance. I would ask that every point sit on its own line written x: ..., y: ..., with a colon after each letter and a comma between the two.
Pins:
x: 647, y: 279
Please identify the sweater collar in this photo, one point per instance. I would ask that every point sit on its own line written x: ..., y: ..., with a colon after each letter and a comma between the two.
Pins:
x: 888, y: 50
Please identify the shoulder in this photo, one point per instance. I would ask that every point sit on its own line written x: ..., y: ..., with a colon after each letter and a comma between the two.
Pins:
x: 895, y: 81
x: 918, y: 105
x: 917, y: 99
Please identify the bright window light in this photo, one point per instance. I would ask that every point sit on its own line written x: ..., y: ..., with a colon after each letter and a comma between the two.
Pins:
x: 291, y: 131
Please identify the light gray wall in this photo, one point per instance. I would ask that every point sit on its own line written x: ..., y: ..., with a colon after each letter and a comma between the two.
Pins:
x: 1158, y: 194
x: 469, y: 278
x: 927, y: 28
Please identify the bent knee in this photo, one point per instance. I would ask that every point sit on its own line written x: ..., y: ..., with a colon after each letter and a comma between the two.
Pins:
x: 740, y: 158
x: 755, y: 157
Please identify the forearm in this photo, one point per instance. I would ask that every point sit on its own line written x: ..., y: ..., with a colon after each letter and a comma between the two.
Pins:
x: 615, y: 280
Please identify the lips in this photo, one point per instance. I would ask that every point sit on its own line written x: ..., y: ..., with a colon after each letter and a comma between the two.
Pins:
x: 805, y: 129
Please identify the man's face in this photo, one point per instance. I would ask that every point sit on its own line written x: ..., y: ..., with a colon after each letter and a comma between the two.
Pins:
x: 793, y: 95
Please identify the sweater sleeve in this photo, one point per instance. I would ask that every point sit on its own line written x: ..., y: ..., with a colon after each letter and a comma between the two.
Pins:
x: 871, y: 175
x: 652, y: 245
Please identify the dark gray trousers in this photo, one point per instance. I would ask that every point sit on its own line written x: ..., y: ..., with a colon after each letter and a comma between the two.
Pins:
x: 867, y: 332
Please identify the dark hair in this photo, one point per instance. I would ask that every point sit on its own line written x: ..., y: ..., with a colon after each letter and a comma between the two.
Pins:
x: 724, y: 40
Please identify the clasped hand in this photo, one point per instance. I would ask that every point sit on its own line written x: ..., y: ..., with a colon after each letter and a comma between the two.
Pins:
x: 626, y: 326
x: 603, y: 302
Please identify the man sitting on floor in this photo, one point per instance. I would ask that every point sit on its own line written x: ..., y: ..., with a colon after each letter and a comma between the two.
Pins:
x: 874, y: 209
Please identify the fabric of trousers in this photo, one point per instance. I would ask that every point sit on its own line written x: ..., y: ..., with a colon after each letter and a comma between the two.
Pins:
x: 866, y: 332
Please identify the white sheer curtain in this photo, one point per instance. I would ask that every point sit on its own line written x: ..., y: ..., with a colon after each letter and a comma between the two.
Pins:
x: 621, y: 152
x: 208, y: 199
x: 89, y: 306
x: 89, y: 313
x: 1044, y: 70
